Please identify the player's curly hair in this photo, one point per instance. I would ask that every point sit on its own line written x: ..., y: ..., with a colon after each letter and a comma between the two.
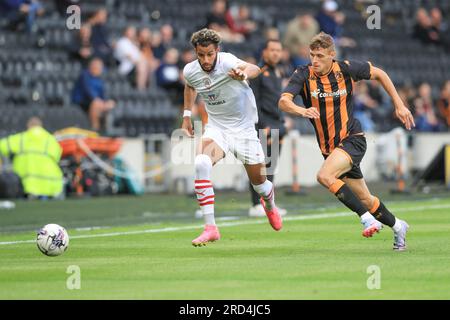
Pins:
x: 205, y: 37
x: 322, y: 40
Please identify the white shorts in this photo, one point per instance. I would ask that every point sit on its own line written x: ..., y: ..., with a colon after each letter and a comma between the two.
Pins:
x: 245, y: 145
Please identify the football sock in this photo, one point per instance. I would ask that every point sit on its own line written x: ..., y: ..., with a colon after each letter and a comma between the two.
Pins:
x: 397, y: 226
x: 382, y: 214
x: 367, y: 217
x: 204, y: 188
x: 347, y: 197
x: 255, y: 196
x: 266, y: 191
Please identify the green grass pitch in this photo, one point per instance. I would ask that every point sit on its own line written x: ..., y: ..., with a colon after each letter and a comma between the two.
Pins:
x: 140, y: 249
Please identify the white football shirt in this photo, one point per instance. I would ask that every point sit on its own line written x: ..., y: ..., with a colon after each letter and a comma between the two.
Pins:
x: 230, y: 104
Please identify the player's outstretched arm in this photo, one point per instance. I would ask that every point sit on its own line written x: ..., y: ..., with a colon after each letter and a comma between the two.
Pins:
x: 189, y: 99
x: 286, y: 104
x: 244, y: 71
x: 401, y: 111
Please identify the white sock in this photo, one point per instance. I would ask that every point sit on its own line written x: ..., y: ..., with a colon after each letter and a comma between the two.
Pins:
x: 397, y: 225
x: 209, y: 218
x: 266, y: 191
x: 367, y: 217
x: 204, y: 188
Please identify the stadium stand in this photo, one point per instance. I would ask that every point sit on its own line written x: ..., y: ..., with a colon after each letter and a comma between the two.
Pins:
x: 37, y: 71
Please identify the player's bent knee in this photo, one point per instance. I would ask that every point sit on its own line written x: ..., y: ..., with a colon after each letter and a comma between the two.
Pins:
x: 325, y: 179
x: 258, y: 180
x: 203, y: 165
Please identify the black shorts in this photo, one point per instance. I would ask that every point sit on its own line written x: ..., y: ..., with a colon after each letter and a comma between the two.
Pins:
x: 354, y: 147
x: 85, y: 105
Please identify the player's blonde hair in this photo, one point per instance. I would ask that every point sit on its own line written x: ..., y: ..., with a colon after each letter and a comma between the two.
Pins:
x: 205, y: 37
x: 322, y: 41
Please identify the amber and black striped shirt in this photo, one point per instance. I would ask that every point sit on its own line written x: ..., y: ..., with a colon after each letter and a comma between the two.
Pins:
x: 331, y: 94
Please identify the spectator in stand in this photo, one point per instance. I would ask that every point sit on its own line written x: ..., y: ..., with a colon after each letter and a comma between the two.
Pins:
x: 187, y: 55
x: 424, y: 30
x: 440, y: 26
x: 239, y: 21
x: 425, y: 116
x: 330, y: 19
x: 89, y: 93
x: 444, y: 103
x: 100, y: 36
x: 217, y: 14
x: 166, y: 34
x: 168, y: 76
x: 286, y: 66
x: 363, y: 104
x: 382, y: 113
x: 436, y: 20
x: 216, y: 20
x: 302, y: 57
x: 80, y: 47
x: 299, y: 33
x: 145, y: 44
x: 270, y: 33
x: 21, y: 12
x: 132, y: 62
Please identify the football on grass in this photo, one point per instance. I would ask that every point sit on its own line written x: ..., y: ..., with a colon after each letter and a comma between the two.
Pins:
x: 52, y: 240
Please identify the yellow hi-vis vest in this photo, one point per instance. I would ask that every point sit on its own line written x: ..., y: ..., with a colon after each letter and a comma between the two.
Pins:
x: 36, y: 161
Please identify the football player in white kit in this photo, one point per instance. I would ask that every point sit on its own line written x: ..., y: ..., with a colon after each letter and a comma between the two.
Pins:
x: 220, y: 80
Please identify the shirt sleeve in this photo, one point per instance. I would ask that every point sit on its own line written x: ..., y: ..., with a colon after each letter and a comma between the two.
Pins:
x: 359, y: 70
x: 187, y: 76
x: 231, y: 61
x: 295, y: 84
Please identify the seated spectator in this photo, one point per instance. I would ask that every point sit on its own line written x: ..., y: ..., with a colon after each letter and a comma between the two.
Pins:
x: 286, y: 66
x: 271, y: 33
x: 187, y: 55
x: 131, y: 61
x: 165, y: 41
x: 145, y: 44
x: 100, y: 36
x: 330, y: 20
x: 217, y: 14
x: 440, y: 26
x: 80, y: 46
x: 436, y: 20
x: 299, y: 33
x: 168, y: 76
x: 89, y: 93
x: 238, y: 20
x: 424, y: 30
x: 381, y: 115
x: 444, y: 103
x: 36, y: 154
x: 21, y: 12
x: 268, y: 34
x: 216, y: 20
x: 363, y: 104
x: 425, y: 116
x: 302, y: 56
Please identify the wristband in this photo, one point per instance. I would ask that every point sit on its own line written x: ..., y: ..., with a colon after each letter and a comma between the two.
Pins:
x: 187, y: 113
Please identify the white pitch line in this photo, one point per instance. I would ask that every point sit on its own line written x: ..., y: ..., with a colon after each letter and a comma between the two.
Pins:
x: 233, y: 224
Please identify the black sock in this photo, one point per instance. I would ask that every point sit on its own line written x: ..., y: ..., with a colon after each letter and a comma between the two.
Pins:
x: 383, y: 215
x: 347, y: 197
